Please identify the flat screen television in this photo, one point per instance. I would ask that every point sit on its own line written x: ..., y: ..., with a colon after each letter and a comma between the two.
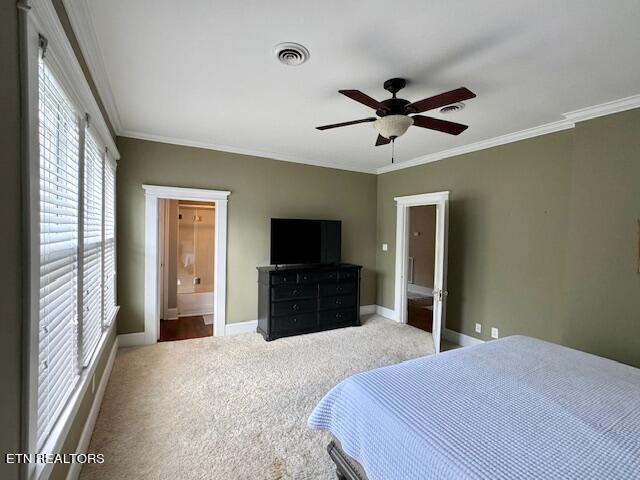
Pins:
x: 295, y: 241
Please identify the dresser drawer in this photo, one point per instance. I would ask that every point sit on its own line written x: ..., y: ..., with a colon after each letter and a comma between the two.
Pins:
x: 342, y: 301
x: 292, y: 307
x: 332, y: 289
x: 347, y: 274
x: 294, y: 322
x: 284, y: 278
x: 284, y: 292
x: 337, y: 317
x: 306, y: 277
x: 328, y: 276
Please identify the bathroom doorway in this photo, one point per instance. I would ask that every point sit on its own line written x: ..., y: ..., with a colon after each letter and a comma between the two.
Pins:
x: 187, y: 246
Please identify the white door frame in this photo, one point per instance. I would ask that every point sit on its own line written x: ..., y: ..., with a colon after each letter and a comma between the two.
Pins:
x: 153, y: 193
x: 441, y: 201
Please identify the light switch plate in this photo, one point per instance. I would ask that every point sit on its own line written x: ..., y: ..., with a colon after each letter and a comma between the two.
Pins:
x: 494, y: 332
x: 478, y: 328
x: 385, y: 247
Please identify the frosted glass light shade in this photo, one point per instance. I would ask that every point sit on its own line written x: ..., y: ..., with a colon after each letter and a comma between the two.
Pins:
x: 393, y: 126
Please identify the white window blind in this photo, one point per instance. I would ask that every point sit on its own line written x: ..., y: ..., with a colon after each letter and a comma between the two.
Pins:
x: 109, y: 271
x: 58, y: 201
x: 92, y: 254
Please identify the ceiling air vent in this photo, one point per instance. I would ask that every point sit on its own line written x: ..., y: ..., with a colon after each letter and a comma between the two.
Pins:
x: 455, y: 107
x: 291, y: 54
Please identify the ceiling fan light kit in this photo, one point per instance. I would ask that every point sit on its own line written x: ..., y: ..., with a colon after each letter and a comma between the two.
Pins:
x: 394, y: 113
x: 393, y: 126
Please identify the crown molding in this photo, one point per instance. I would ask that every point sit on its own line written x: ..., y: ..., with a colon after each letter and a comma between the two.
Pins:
x: 481, y: 145
x: 570, y: 120
x: 603, y: 109
x: 81, y: 20
x: 63, y: 60
x: 82, y: 23
x: 244, y: 151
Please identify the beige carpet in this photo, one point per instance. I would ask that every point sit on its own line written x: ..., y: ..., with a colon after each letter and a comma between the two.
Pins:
x: 234, y: 407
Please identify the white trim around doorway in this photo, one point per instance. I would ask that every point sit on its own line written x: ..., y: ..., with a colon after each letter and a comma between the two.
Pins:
x: 440, y: 200
x: 153, y: 193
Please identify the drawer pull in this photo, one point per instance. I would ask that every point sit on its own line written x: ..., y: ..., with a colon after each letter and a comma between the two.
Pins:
x: 296, y: 307
x: 339, y: 289
x: 338, y: 315
x: 295, y: 292
x: 338, y: 301
x: 295, y: 320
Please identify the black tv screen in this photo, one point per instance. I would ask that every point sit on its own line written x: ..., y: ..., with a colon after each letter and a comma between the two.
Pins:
x: 295, y: 241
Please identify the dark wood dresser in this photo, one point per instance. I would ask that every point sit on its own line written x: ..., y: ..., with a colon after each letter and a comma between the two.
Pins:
x: 304, y: 299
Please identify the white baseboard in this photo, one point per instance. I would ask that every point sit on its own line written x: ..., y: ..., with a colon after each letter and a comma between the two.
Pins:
x: 386, y: 312
x: 196, y: 313
x: 460, y: 338
x: 367, y: 309
x: 87, y: 431
x: 413, y: 288
x: 132, y: 339
x: 242, y: 327
x: 171, y: 314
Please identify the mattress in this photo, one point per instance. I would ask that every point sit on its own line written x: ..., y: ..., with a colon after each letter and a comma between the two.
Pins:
x: 515, y: 408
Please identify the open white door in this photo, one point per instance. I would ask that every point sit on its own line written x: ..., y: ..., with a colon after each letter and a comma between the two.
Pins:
x: 441, y: 202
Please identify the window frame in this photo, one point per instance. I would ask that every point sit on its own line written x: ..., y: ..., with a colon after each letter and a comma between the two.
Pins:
x: 39, y: 21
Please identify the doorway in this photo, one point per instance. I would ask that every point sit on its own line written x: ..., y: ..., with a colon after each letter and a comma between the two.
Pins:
x: 421, y: 254
x: 187, y: 264
x: 154, y: 271
x: 421, y: 266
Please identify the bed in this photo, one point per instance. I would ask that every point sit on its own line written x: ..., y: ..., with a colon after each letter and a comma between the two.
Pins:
x: 515, y: 408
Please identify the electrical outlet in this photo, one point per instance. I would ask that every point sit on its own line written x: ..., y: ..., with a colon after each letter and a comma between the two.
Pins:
x: 385, y: 247
x: 494, y: 332
x: 478, y: 328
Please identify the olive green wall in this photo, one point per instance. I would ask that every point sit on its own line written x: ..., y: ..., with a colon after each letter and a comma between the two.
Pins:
x: 507, y: 234
x: 603, y: 299
x: 542, y: 236
x: 260, y: 189
x: 10, y: 253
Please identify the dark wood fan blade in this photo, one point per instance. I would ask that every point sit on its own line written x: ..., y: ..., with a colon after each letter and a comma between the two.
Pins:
x: 439, y: 125
x: 344, y: 124
x: 381, y: 141
x: 363, y: 98
x: 458, y: 95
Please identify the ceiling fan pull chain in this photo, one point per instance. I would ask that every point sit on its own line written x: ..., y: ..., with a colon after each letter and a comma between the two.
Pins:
x: 393, y: 144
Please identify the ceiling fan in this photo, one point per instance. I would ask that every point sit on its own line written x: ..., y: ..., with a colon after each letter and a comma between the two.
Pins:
x: 394, y: 113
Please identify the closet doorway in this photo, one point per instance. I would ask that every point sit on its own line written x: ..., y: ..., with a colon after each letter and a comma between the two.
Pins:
x: 421, y: 262
x: 187, y: 245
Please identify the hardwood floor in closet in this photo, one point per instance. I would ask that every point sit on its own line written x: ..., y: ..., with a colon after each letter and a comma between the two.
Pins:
x: 184, y: 328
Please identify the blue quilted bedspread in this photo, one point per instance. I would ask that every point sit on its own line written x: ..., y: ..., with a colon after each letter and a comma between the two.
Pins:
x: 515, y: 408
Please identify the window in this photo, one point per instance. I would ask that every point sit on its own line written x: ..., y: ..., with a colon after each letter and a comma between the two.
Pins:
x: 109, y: 270
x: 59, y: 199
x: 92, y: 261
x: 75, y: 188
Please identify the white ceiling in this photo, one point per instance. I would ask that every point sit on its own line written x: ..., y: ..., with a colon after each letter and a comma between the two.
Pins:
x: 203, y: 71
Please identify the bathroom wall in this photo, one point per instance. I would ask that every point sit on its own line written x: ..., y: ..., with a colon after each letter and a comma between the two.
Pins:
x: 195, y: 252
x: 172, y: 252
